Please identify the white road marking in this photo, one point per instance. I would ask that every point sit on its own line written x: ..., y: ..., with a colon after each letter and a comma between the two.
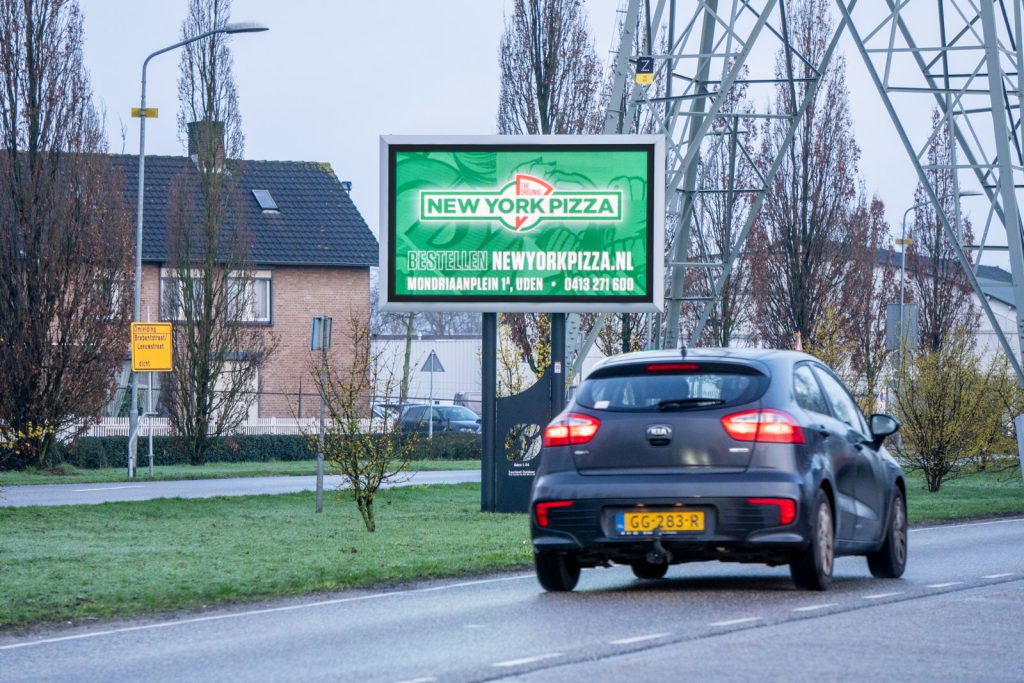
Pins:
x: 254, y: 612
x: 733, y: 622
x: 811, y: 608
x: 473, y: 626
x: 999, y: 576
x: 954, y: 526
x: 944, y: 585
x: 425, y: 679
x: 879, y: 596
x: 108, y: 488
x: 526, y: 660
x: 637, y: 639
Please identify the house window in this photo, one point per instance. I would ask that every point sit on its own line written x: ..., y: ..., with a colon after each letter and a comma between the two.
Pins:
x: 173, y: 291
x: 249, y: 298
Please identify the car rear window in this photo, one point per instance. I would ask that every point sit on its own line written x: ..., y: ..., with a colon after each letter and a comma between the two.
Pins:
x: 648, y: 387
x: 455, y: 413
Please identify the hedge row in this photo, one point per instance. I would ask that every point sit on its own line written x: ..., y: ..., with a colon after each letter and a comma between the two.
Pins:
x: 91, y: 452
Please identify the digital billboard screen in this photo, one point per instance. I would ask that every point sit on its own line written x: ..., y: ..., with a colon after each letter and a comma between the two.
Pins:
x: 524, y: 223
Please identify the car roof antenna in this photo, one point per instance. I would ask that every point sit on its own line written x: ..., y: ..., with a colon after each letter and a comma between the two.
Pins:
x: 682, y: 350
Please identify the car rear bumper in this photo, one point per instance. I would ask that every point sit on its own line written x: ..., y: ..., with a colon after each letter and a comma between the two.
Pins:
x: 734, y: 528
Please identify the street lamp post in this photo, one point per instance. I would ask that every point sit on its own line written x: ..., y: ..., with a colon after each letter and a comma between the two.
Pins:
x: 234, y: 27
x: 903, y: 261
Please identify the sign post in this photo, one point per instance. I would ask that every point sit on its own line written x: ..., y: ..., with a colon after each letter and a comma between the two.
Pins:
x: 321, y: 339
x: 151, y: 352
x: 432, y: 365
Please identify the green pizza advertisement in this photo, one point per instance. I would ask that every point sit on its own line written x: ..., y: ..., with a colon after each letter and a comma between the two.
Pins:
x: 500, y: 225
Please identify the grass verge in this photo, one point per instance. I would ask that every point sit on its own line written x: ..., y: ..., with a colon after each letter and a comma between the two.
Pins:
x: 977, y: 495
x: 69, y: 474
x: 64, y: 564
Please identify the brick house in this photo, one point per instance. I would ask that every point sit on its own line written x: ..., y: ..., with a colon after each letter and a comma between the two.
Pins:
x: 311, y: 252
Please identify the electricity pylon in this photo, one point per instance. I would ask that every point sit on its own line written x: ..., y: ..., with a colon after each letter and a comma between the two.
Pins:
x: 962, y: 57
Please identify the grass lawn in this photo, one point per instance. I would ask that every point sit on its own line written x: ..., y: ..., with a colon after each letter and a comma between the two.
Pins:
x: 976, y: 495
x: 120, y: 559
x: 213, y: 470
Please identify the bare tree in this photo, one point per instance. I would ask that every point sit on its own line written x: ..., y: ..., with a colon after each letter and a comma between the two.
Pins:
x: 219, y: 345
x: 550, y: 72
x: 630, y: 334
x: 206, y: 85
x: 874, y: 284
x: 65, y: 236
x: 935, y: 278
x: 801, y: 242
x: 530, y: 334
x: 550, y: 81
x: 365, y: 451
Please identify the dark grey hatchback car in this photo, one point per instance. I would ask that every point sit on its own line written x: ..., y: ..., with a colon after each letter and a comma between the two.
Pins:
x: 719, y: 454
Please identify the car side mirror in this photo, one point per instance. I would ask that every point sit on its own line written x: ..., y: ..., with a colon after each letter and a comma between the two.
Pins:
x: 882, y: 426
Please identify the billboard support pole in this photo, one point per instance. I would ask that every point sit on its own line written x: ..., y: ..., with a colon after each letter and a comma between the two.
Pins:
x: 558, y: 363
x: 488, y: 398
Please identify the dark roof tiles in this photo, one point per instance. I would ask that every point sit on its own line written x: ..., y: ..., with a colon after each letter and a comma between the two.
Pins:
x: 316, y: 224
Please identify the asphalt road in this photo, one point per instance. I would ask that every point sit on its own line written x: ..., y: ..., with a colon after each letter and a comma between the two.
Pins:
x: 88, y: 494
x: 957, y: 615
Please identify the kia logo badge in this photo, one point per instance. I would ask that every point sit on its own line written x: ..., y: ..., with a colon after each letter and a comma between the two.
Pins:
x: 659, y: 432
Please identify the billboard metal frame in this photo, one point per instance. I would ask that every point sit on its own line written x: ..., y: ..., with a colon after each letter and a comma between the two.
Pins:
x: 653, y: 301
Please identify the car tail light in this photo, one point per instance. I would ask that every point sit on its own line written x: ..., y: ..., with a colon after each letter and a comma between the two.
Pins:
x: 672, y: 367
x: 571, y: 429
x: 787, y: 507
x: 765, y: 426
x: 540, y: 510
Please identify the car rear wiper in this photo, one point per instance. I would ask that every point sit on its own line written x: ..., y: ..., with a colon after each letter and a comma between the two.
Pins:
x: 677, y: 403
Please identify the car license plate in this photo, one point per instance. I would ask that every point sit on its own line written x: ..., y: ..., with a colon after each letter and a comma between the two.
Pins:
x: 634, y: 523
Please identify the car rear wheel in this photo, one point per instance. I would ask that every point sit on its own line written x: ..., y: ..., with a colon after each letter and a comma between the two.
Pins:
x: 642, y: 569
x: 557, y: 572
x: 891, y: 559
x: 811, y: 568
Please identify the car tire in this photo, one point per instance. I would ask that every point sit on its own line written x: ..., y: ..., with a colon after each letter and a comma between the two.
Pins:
x: 642, y: 569
x: 811, y: 568
x: 557, y: 572
x: 890, y: 560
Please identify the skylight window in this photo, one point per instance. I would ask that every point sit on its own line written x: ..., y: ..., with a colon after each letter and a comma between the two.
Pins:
x: 266, y: 201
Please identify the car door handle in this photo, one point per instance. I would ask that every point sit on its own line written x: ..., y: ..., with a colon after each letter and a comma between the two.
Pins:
x: 824, y: 432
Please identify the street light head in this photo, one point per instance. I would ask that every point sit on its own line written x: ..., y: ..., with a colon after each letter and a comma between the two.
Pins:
x: 244, y: 27
x: 969, y: 193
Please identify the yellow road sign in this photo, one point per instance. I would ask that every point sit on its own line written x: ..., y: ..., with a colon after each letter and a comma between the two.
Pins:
x: 151, y: 347
x: 904, y: 241
x: 148, y: 112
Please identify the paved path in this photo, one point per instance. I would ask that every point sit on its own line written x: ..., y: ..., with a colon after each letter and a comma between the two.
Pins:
x: 86, y: 494
x: 957, y: 615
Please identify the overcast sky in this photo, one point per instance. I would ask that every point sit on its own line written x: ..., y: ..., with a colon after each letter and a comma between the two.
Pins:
x: 331, y: 76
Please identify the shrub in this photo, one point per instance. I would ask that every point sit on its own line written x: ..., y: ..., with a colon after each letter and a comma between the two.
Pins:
x: 449, y: 446
x: 93, y: 452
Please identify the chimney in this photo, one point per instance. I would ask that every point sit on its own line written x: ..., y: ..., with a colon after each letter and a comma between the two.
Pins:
x: 207, y: 136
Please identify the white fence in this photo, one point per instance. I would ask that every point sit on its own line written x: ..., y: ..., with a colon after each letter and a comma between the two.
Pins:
x: 160, y: 426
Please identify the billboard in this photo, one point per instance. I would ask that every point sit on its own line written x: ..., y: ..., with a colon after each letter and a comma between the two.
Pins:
x: 558, y: 223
